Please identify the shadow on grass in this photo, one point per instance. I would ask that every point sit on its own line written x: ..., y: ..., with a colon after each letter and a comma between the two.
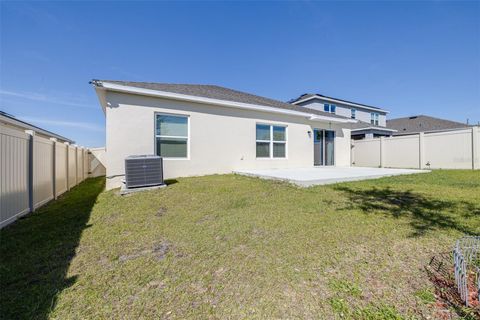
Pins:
x: 169, y: 182
x: 425, y: 214
x: 36, y: 252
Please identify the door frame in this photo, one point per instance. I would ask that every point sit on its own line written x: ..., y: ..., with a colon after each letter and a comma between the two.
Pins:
x: 323, y: 153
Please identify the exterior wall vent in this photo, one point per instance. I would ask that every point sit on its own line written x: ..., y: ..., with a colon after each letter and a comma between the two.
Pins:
x: 143, y: 171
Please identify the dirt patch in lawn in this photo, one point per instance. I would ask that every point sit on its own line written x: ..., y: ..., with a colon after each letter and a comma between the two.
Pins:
x: 161, y: 211
x: 157, y: 251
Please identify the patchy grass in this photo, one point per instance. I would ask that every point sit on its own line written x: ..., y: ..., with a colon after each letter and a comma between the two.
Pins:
x: 227, y: 246
x: 426, y: 295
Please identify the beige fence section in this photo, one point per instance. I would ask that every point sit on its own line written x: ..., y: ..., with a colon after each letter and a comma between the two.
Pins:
x: 43, y: 171
x: 97, y: 162
x: 35, y: 170
x: 454, y: 149
x: 61, y: 176
x: 14, y: 173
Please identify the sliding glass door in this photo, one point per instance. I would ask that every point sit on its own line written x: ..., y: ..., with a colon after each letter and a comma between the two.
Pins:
x: 323, y: 147
x: 318, y: 147
x: 329, y: 148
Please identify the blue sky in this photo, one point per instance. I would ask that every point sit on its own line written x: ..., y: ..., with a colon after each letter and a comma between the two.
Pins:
x: 409, y: 57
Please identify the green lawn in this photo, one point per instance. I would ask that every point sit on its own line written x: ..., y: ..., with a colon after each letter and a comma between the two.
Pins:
x: 227, y: 246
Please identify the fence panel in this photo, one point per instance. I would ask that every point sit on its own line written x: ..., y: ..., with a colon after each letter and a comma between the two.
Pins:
x: 60, y: 168
x: 14, y: 155
x: 85, y: 163
x: 72, y: 167
x: 402, y: 152
x: 42, y: 171
x: 449, y: 150
x: 97, y: 162
x: 79, y: 165
x: 453, y: 149
x: 367, y: 153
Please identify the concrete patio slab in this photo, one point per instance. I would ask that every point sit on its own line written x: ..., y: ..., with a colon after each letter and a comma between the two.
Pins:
x: 307, y: 177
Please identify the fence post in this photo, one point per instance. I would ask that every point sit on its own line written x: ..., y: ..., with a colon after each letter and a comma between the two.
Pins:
x: 352, y: 153
x: 474, y: 147
x: 83, y: 164
x: 76, y: 164
x: 54, y: 163
x: 421, y: 150
x: 31, y: 143
x: 382, y: 152
x: 68, y: 164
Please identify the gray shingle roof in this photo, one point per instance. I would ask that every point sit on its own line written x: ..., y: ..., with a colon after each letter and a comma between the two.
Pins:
x: 310, y: 95
x: 422, y: 123
x: 217, y: 92
x: 364, y: 125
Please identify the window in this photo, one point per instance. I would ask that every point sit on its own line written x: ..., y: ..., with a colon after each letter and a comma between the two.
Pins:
x: 271, y: 141
x: 354, y: 113
x: 171, y: 135
x: 374, y: 118
x: 329, y: 108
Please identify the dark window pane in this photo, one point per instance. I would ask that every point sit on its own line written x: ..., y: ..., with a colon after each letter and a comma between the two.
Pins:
x: 326, y: 107
x: 332, y: 108
x: 172, y: 147
x: 318, y: 135
x: 263, y: 132
x: 318, y: 147
x: 279, y: 134
x: 263, y: 149
x: 279, y: 150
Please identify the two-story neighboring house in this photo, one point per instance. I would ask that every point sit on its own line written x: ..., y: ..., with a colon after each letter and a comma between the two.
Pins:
x: 371, y: 123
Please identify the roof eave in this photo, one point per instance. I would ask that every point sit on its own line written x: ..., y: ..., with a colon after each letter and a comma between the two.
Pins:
x: 375, y: 128
x: 102, y: 86
x: 340, y: 101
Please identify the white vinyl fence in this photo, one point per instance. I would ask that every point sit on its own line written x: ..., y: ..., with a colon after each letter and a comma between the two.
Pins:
x: 35, y: 170
x: 454, y: 149
x: 97, y: 162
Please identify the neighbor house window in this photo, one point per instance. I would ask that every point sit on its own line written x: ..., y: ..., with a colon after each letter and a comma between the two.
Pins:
x: 354, y: 113
x: 329, y: 108
x: 171, y: 135
x: 271, y: 141
x: 374, y: 118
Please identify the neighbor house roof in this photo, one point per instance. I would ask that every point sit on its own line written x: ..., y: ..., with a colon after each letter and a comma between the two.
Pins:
x: 310, y: 96
x: 11, y: 120
x: 215, y: 92
x: 422, y: 123
x: 361, y: 126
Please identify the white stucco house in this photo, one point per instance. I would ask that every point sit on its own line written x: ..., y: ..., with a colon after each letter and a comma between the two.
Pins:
x: 205, y: 129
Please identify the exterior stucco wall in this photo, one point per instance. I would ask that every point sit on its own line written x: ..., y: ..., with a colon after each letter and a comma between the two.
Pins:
x: 345, y: 110
x: 221, y: 139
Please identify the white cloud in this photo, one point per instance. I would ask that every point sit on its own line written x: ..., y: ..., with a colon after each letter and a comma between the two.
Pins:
x: 45, y: 98
x: 61, y: 123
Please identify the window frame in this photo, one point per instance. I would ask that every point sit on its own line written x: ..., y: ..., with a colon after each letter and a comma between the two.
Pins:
x: 271, y: 141
x: 374, y: 118
x: 327, y: 107
x: 187, y: 137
